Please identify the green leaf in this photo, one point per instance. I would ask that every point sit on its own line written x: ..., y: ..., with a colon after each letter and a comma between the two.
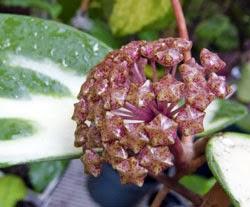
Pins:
x: 221, y: 114
x: 53, y: 8
x: 244, y: 124
x: 244, y: 84
x: 219, y: 31
x: 197, y: 184
x: 228, y: 157
x: 42, y: 66
x: 100, y: 9
x: 148, y: 35
x: 12, y: 189
x: 131, y: 16
x: 42, y: 173
x: 101, y: 31
x: 69, y: 9
x: 15, y: 128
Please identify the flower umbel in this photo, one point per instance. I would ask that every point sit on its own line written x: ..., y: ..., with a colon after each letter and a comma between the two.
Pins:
x: 135, y: 119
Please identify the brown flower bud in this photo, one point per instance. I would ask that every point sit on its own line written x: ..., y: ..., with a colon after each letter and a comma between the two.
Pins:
x: 211, y: 61
x: 92, y: 162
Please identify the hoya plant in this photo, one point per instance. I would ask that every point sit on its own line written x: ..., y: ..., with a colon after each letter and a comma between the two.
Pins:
x: 143, y: 109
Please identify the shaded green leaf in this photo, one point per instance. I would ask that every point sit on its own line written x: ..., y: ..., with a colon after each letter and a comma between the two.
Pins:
x: 244, y: 84
x: 12, y: 189
x: 131, y: 16
x: 221, y: 114
x: 244, y: 124
x: 42, y: 173
x: 42, y: 66
x: 17, y: 82
x: 148, y: 35
x: 100, y: 9
x: 53, y: 8
x: 69, y: 9
x: 101, y: 31
x: 197, y: 184
x: 15, y: 128
x: 218, y: 31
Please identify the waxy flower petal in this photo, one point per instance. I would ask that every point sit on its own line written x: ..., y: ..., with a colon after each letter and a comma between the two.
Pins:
x: 211, y: 61
x: 192, y: 72
x: 113, y: 128
x: 136, y: 137
x: 114, y: 149
x: 197, y: 96
x: 81, y: 134
x: 169, y: 57
x: 217, y: 85
x: 161, y: 130
x: 131, y: 172
x: 155, y: 159
x: 80, y: 111
x: 190, y: 120
x: 169, y: 89
x: 92, y: 162
x: 93, y: 138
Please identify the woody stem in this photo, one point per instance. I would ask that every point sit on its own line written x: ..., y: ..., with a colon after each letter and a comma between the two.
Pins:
x: 177, y: 187
x: 181, y: 24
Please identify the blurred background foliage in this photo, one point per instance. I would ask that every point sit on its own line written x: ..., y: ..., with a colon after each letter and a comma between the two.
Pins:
x: 222, y: 26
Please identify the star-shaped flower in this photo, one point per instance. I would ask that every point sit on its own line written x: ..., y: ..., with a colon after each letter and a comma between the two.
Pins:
x: 190, y: 120
x: 131, y: 172
x: 81, y: 111
x: 169, y: 89
x: 92, y: 162
x: 218, y: 86
x: 161, y: 130
x: 155, y: 159
x: 211, y: 61
x: 113, y: 128
x: 136, y: 137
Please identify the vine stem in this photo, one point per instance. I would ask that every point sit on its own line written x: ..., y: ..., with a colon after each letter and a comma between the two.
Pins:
x: 216, y: 197
x: 172, y: 184
x: 181, y: 24
x: 84, y: 5
x: 160, y: 196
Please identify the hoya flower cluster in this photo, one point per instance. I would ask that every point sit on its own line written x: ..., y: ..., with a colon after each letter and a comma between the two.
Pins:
x: 139, y: 101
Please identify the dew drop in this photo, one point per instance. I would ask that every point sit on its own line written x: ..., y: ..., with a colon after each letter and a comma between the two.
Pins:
x: 52, y: 51
x: 35, y: 46
x: 46, y: 82
x: 61, y: 30
x: 83, y: 46
x: 85, y: 58
x: 76, y: 53
x: 228, y: 142
x: 46, y: 27
x: 18, y: 49
x: 6, y: 43
x: 64, y: 63
x: 96, y: 47
x: 35, y: 34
